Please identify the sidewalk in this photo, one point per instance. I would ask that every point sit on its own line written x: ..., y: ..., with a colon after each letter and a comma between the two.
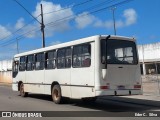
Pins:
x: 149, y: 100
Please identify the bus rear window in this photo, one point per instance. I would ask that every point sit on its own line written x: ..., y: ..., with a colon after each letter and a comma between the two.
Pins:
x: 118, y: 52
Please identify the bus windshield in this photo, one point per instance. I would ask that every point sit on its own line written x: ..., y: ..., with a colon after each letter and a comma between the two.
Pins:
x: 118, y: 52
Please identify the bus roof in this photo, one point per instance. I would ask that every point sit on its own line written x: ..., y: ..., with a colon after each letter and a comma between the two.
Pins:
x: 74, y: 42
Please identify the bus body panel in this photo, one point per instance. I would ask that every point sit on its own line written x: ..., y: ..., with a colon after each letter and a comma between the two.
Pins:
x: 62, y: 76
x: 34, y: 81
x: 122, y: 75
x: 116, y: 79
x: 82, y: 79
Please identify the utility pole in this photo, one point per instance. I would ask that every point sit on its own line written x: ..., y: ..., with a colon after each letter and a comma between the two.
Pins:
x: 42, y: 28
x: 114, y: 22
x: 17, y: 46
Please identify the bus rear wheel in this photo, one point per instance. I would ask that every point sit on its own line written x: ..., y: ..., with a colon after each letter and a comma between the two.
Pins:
x: 56, y: 94
x: 22, y: 92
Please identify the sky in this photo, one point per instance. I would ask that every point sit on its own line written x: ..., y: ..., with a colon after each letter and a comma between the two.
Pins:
x: 135, y: 18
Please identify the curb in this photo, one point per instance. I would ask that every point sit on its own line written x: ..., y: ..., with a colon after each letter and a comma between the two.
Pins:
x: 143, y: 101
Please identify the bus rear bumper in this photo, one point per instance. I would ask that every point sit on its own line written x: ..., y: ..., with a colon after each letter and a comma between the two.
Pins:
x: 118, y: 92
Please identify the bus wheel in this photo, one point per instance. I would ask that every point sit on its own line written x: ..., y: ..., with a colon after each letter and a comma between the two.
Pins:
x: 22, y: 92
x: 56, y: 94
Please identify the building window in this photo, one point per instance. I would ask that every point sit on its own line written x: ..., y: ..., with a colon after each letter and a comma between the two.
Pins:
x: 82, y: 55
x: 51, y: 60
x: 64, y: 58
x: 40, y: 61
x: 22, y: 65
x: 30, y: 62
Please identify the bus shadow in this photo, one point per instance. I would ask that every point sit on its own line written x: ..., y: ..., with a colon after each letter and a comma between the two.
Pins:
x: 115, y: 106
x: 102, y: 104
x: 40, y: 96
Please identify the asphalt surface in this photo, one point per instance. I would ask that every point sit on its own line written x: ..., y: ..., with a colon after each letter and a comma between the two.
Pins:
x: 11, y: 101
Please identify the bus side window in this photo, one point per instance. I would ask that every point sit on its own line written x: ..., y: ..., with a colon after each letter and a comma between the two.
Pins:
x: 22, y: 65
x: 40, y: 61
x: 82, y: 55
x: 86, y: 55
x: 30, y: 63
x: 61, y: 58
x: 68, y: 58
x: 51, y: 60
x: 64, y: 58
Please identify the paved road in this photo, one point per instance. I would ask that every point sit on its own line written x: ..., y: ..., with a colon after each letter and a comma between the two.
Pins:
x: 11, y: 101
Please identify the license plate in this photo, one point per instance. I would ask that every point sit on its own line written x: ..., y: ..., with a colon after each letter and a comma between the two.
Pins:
x: 121, y: 87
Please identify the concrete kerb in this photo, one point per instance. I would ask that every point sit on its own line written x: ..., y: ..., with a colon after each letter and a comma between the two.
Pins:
x: 139, y: 101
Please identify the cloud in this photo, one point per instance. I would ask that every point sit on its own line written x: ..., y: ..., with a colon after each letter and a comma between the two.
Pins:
x: 108, y: 24
x: 48, y: 7
x: 29, y: 30
x: 53, y: 17
x: 131, y: 16
x: 4, y: 32
x: 20, y: 23
x: 83, y: 20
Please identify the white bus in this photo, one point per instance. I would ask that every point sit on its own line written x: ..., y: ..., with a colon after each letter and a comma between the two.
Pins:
x: 100, y: 65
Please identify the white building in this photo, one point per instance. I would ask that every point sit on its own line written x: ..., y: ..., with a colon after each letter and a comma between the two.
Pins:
x: 149, y: 56
x: 6, y: 65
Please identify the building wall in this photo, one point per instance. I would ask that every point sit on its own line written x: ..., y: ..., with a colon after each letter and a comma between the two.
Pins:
x: 149, y: 56
x: 150, y: 52
x: 5, y: 71
x: 6, y: 77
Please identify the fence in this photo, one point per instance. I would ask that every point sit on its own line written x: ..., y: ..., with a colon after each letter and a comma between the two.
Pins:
x: 151, y: 84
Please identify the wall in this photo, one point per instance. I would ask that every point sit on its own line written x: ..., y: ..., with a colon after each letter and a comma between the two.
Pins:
x: 5, y: 71
x: 150, y: 52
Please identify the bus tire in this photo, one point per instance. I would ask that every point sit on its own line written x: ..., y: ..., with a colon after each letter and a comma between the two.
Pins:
x: 22, y: 92
x: 56, y: 94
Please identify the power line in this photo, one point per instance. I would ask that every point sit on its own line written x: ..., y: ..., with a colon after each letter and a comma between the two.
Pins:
x: 12, y: 40
x: 39, y: 15
x: 18, y: 29
x: 93, y: 7
x: 41, y: 23
x: 64, y: 19
x: 74, y: 16
x: 19, y: 37
x: 26, y: 10
x: 82, y: 3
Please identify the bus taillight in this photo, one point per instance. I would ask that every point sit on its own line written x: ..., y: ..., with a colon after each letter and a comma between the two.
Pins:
x: 137, y: 86
x: 104, y: 87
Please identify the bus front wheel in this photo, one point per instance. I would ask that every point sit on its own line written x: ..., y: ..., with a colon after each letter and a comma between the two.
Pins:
x: 56, y: 94
x: 22, y: 92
